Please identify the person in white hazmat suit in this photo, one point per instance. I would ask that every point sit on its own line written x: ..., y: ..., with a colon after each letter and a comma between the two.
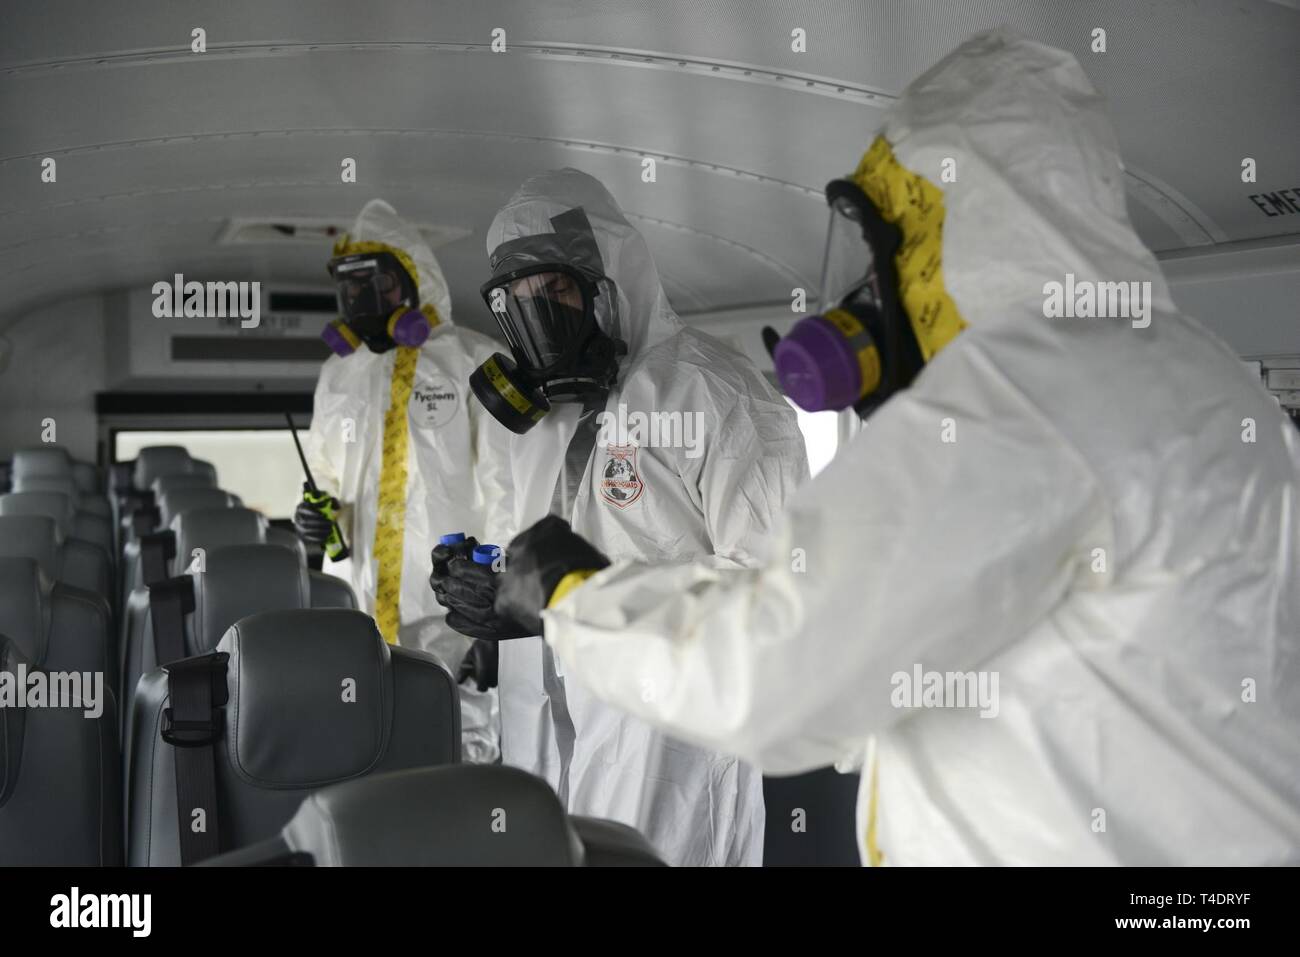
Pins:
x: 1085, y: 525
x: 598, y: 356
x: 396, y: 442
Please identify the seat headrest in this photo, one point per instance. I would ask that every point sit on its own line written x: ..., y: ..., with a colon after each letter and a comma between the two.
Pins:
x: 58, y: 506
x: 311, y: 697
x: 11, y: 721
x: 25, y: 606
x: 159, y: 460
x: 288, y: 538
x: 183, y: 499
x: 48, y: 483
x: 87, y: 477
x: 243, y: 580
x: 435, y: 817
x: 213, y: 528
x: 46, y: 460
x: 32, y: 536
x: 171, y: 483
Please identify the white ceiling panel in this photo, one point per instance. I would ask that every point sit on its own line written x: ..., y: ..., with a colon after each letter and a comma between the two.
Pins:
x: 158, y: 147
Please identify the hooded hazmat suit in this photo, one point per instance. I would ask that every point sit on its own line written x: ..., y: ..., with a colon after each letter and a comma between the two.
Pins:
x: 452, y: 478
x: 711, y: 489
x: 1100, y: 514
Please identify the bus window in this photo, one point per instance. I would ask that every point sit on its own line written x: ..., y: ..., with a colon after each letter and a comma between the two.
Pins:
x: 258, y: 465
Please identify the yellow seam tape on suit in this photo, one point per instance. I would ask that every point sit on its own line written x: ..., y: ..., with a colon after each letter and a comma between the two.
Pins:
x: 875, y: 856
x: 391, y: 514
x: 915, y: 206
x: 568, y: 583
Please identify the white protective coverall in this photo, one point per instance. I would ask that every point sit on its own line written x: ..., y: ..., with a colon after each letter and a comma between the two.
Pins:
x: 452, y: 470
x: 1105, y: 517
x: 654, y: 503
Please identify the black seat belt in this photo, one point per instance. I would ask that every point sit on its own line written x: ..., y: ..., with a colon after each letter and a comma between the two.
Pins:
x: 137, y: 512
x: 145, y: 520
x: 197, y: 689
x: 130, y: 499
x: 192, y: 725
x: 170, y: 600
x: 156, y: 553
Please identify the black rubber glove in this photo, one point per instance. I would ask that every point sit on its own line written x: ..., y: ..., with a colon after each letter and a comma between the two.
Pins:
x: 535, y: 562
x: 442, y: 554
x: 311, y: 523
x: 480, y: 664
x: 468, y: 590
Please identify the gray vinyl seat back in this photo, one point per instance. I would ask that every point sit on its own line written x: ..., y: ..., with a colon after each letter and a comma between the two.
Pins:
x: 72, y: 521
x: 206, y: 528
x: 218, y: 529
x: 237, y: 581
x: 328, y: 591
x: 316, y: 697
x: 59, y: 793
x: 42, y: 460
x: 614, y: 844
x: 57, y: 505
x: 211, y: 529
x: 87, y: 478
x: 203, y: 467
x: 182, y: 500
x: 91, y: 502
x: 240, y: 581
x: 55, y: 460
x: 455, y: 816
x: 153, y: 463
x: 56, y: 627
x: 68, y: 560
x: 287, y: 538
x: 179, y: 480
x: 155, y: 460
x: 465, y: 815
x: 152, y: 469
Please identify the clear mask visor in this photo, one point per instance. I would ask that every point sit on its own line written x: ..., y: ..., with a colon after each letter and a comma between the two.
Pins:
x: 847, y: 263
x: 543, y: 313
x: 371, y: 287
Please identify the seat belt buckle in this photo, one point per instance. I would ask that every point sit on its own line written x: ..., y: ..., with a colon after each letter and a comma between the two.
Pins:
x: 191, y: 734
x: 202, y: 678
